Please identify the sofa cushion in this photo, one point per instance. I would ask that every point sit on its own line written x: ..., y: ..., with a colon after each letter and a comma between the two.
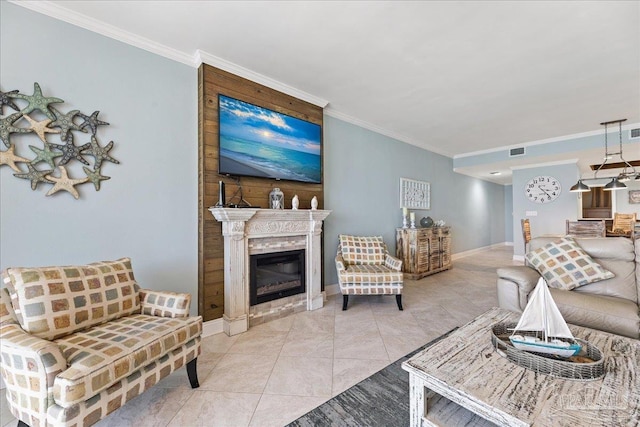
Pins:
x: 615, y: 315
x: 362, y: 250
x: 565, y: 265
x: 105, y: 354
x: 52, y: 302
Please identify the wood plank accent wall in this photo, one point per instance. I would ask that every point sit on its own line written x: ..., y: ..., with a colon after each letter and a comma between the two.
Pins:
x: 211, y: 82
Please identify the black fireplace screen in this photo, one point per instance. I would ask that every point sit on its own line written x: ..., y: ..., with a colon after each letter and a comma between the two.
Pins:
x: 276, y: 275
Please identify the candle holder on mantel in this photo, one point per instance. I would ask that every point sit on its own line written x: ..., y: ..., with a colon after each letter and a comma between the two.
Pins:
x: 404, y: 222
x: 276, y: 199
x: 413, y: 222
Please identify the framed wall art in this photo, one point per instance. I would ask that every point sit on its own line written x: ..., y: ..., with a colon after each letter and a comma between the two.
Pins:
x: 634, y: 197
x: 415, y: 194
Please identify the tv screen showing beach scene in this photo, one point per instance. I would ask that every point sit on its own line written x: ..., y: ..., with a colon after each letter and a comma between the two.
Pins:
x: 259, y: 142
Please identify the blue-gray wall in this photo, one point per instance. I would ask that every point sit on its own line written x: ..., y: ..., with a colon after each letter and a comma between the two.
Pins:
x: 362, y: 171
x: 508, y: 213
x: 550, y: 218
x: 149, y: 209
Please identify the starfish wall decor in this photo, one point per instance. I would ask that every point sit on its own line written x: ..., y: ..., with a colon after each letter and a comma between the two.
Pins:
x: 25, y: 116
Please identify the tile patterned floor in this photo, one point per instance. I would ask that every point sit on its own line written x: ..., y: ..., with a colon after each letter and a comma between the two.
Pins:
x: 278, y: 371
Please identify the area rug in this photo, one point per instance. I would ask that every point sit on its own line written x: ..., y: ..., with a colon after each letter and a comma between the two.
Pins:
x: 380, y: 400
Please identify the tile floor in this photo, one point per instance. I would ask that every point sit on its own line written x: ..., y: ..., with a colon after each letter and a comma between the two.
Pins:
x: 278, y: 371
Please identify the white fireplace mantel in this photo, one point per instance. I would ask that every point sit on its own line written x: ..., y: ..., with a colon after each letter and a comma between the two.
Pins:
x: 239, y: 226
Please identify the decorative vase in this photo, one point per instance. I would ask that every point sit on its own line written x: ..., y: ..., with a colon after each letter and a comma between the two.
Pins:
x: 295, y: 202
x: 314, y: 203
x: 276, y: 199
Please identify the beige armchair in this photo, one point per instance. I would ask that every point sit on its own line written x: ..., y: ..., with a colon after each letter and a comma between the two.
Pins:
x: 365, y: 268
x: 78, y: 342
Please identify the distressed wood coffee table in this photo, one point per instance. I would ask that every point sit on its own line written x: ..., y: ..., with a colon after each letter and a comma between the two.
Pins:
x: 462, y: 380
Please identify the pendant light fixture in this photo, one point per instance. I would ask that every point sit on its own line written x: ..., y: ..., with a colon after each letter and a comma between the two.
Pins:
x: 617, y: 182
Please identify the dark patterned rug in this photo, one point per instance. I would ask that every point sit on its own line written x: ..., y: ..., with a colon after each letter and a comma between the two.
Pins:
x: 380, y: 400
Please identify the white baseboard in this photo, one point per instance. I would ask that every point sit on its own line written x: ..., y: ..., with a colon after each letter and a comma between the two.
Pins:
x: 212, y: 327
x: 459, y: 255
x: 332, y: 289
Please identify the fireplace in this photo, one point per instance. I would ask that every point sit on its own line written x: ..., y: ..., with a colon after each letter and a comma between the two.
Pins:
x: 253, y: 231
x: 276, y: 275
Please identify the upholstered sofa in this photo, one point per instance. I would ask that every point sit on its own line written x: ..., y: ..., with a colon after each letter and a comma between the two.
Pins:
x: 365, y: 267
x: 78, y: 342
x: 609, y: 305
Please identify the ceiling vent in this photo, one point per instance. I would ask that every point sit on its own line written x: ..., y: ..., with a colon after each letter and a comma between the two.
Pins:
x: 516, y: 152
x: 634, y: 133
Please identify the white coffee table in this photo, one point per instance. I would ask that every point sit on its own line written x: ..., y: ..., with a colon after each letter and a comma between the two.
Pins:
x: 461, y: 379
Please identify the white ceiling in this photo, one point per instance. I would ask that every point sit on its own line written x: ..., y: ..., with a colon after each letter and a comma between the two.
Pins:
x: 451, y: 77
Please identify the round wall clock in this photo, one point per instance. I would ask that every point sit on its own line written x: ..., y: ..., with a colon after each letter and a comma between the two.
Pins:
x: 542, y: 189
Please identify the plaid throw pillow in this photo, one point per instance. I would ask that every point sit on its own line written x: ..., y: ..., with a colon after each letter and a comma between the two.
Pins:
x: 362, y: 250
x: 565, y: 265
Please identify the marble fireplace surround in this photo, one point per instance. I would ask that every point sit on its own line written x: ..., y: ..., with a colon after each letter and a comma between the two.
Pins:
x: 252, y: 230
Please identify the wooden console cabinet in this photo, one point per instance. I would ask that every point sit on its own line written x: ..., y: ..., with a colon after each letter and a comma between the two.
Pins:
x: 423, y: 251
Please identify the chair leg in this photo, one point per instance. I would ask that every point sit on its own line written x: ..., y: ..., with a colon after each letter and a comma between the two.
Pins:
x: 345, y: 301
x: 399, y: 301
x: 193, y: 373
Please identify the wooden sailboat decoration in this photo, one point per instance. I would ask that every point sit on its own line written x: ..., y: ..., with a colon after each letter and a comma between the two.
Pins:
x: 542, y: 315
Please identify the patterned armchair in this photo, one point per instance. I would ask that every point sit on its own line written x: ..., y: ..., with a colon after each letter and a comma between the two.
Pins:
x: 366, y: 268
x: 78, y: 342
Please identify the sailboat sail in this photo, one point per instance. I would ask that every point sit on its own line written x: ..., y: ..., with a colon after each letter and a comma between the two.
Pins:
x: 542, y: 314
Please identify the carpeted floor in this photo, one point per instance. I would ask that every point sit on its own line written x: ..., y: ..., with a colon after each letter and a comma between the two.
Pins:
x: 380, y: 400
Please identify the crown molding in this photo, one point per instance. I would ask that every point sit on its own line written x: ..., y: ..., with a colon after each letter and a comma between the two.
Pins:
x: 543, y: 141
x: 538, y: 165
x: 377, y: 129
x: 79, y: 20
x: 202, y: 57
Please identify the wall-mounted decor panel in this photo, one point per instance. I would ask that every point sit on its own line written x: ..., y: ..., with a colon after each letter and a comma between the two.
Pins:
x: 255, y: 191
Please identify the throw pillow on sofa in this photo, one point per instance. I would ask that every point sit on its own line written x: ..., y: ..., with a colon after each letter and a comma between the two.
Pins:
x: 565, y: 265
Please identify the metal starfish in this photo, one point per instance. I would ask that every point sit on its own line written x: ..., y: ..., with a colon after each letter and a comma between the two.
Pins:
x: 99, y: 153
x: 95, y: 177
x: 37, y: 101
x: 65, y: 122
x: 9, y: 158
x: 7, y: 128
x: 45, y: 155
x: 70, y: 151
x: 40, y: 128
x: 5, y: 99
x: 35, y: 176
x: 65, y: 183
x: 91, y: 122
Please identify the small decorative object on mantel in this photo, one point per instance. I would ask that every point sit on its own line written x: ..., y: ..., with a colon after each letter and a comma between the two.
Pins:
x: 276, y: 199
x: 439, y: 223
x: 295, y: 202
x: 35, y: 117
x: 314, y: 203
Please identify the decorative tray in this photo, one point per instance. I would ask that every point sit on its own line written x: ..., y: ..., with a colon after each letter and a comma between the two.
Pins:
x: 587, y: 365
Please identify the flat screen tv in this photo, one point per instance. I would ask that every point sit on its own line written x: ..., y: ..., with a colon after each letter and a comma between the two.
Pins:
x: 259, y: 142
